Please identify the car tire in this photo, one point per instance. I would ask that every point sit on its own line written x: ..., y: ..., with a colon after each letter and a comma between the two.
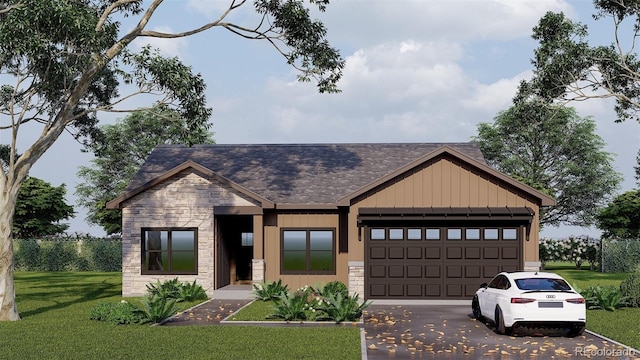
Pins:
x: 576, y: 331
x: 475, y: 308
x: 499, y: 320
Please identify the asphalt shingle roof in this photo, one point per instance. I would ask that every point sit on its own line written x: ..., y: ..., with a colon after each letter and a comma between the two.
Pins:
x: 296, y: 173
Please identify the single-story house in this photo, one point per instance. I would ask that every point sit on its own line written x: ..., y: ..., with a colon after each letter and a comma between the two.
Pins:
x: 392, y: 221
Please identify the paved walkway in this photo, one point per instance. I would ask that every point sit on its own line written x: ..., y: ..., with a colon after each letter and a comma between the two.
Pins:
x: 208, y: 313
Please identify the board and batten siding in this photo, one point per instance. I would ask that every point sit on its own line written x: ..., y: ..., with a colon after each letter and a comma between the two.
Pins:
x: 443, y: 182
x: 272, y: 249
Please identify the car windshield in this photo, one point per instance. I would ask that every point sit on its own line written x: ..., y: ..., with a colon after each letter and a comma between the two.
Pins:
x: 542, y: 284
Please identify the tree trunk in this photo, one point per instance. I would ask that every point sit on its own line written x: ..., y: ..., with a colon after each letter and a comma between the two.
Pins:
x: 8, y: 308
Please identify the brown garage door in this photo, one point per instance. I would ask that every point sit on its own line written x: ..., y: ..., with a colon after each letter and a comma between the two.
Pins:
x: 422, y: 260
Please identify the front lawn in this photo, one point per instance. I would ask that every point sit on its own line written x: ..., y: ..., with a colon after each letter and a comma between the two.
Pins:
x: 55, y: 325
x: 620, y: 325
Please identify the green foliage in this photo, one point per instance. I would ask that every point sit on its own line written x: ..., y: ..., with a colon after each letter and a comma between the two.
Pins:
x: 67, y: 253
x: 176, y: 290
x: 607, y: 297
x: 156, y: 309
x: 619, y: 255
x: 553, y: 149
x: 120, y: 313
x: 332, y: 288
x: 292, y: 306
x: 39, y: 209
x: 270, y: 291
x: 630, y: 289
x: 621, y: 217
x: 338, y: 307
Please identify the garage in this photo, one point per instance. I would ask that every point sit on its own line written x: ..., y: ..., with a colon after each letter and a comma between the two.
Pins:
x: 440, y: 253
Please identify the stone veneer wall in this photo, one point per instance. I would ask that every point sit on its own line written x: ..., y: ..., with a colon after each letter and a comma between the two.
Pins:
x: 356, y: 278
x: 257, y: 270
x: 185, y: 200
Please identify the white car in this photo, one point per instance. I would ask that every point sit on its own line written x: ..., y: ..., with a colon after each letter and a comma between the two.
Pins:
x: 530, y: 299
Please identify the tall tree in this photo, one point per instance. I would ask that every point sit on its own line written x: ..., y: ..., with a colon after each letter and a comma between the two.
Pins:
x: 551, y: 148
x: 621, y: 218
x: 63, y: 61
x: 39, y: 207
x: 117, y: 159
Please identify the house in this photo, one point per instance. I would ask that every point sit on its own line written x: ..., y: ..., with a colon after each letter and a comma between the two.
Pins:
x: 392, y: 221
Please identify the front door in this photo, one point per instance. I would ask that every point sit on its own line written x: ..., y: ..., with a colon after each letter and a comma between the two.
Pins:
x: 234, y: 249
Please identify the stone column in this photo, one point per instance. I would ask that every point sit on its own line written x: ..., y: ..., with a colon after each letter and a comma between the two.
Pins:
x: 257, y: 270
x: 356, y: 278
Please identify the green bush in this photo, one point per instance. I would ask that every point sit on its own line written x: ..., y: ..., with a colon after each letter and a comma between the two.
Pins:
x: 630, y: 289
x: 338, y: 307
x: 156, y: 309
x: 604, y: 297
x: 68, y: 253
x: 333, y: 288
x: 179, y: 291
x: 117, y: 313
x: 270, y: 291
x: 620, y: 255
x: 27, y: 255
x: 292, y: 307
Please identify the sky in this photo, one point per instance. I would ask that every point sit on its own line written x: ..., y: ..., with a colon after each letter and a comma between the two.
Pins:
x: 416, y: 71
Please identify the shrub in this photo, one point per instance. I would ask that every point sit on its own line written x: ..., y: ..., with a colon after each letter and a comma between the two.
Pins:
x: 27, y: 255
x: 57, y: 255
x: 630, y: 289
x: 174, y: 289
x: 116, y: 313
x: 156, y: 309
x: 338, y: 307
x: 269, y: 291
x: 332, y: 288
x: 290, y: 307
x: 620, y: 255
x: 604, y: 297
x: 104, y: 254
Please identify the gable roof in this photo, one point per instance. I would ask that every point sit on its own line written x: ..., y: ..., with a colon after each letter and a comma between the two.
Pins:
x: 302, y: 174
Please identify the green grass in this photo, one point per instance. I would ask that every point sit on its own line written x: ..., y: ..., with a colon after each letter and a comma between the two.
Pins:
x: 55, y: 325
x: 620, y: 325
x: 258, y: 310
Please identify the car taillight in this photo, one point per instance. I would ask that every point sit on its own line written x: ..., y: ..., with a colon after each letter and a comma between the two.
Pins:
x: 576, y: 301
x: 521, y: 300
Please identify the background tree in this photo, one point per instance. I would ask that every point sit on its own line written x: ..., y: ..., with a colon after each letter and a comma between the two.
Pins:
x: 39, y: 207
x: 550, y: 148
x: 61, y: 62
x: 621, y: 218
x: 117, y: 159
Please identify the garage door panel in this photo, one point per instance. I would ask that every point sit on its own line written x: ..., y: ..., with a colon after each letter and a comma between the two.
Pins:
x: 454, y: 290
x: 432, y: 252
x: 472, y: 252
x: 454, y: 271
x: 489, y: 271
x: 414, y: 290
x: 396, y: 252
x: 432, y: 271
x: 378, y: 290
x: 396, y: 290
x: 378, y: 252
x: 414, y: 252
x: 470, y: 289
x: 396, y: 271
x: 377, y: 271
x: 454, y: 252
x: 509, y: 253
x: 472, y: 271
x: 491, y: 253
x: 433, y: 290
x: 414, y: 271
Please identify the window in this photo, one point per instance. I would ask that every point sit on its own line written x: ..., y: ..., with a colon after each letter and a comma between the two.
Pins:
x: 472, y: 234
x: 308, y: 251
x: 396, y: 234
x: 509, y: 234
x: 169, y: 251
x: 377, y: 234
x: 433, y: 234
x: 491, y: 234
x: 414, y: 234
x: 246, y: 239
x: 454, y: 234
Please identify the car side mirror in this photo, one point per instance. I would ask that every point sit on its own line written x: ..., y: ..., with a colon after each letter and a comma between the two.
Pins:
x: 484, y: 285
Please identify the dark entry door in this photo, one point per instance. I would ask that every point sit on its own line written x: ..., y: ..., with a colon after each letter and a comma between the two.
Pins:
x: 234, y: 249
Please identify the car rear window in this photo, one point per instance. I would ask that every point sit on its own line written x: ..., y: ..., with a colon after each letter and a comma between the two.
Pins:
x: 542, y: 284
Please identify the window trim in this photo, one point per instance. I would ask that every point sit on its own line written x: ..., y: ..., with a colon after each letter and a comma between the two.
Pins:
x: 169, y: 230
x: 308, y: 252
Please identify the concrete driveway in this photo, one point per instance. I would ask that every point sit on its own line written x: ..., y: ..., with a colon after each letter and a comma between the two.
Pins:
x: 450, y: 332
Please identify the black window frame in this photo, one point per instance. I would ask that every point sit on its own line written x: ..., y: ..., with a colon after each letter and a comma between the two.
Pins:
x: 308, y: 251
x: 170, y: 251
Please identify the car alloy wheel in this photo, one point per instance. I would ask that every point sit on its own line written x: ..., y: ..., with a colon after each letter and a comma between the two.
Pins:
x: 475, y: 307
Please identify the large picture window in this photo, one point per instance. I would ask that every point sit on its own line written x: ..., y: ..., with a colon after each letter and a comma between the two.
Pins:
x: 308, y: 251
x: 169, y: 251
